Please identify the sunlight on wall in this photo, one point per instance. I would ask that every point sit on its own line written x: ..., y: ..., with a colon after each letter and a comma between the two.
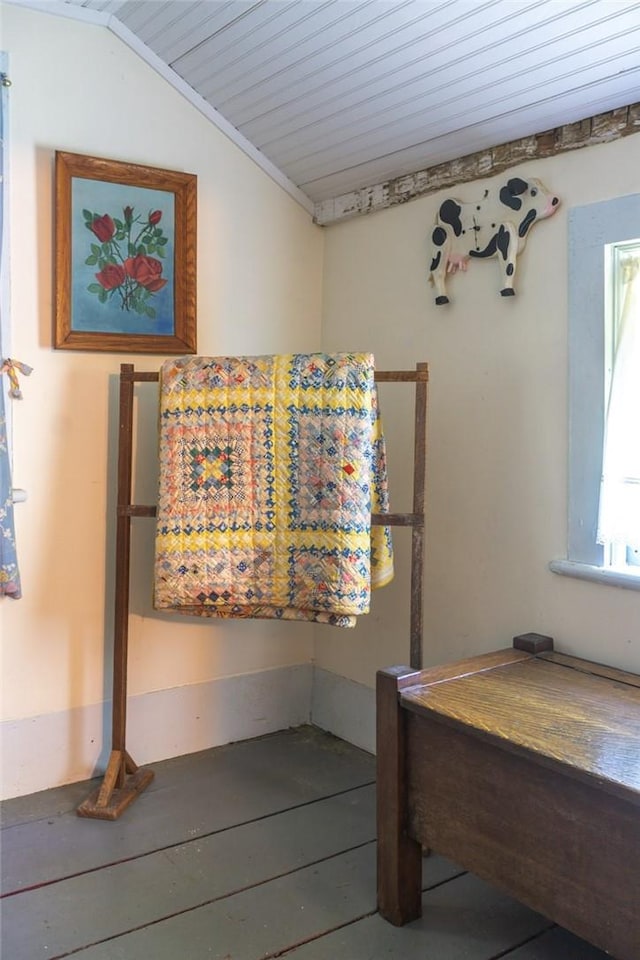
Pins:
x: 77, y: 88
x: 497, y: 428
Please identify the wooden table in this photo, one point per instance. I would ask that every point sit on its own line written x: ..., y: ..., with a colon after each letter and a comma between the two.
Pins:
x: 523, y: 766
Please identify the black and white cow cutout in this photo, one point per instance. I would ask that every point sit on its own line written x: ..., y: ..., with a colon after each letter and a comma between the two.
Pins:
x: 495, y: 226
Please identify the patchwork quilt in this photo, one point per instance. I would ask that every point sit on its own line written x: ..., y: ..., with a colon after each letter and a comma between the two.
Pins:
x: 270, y: 468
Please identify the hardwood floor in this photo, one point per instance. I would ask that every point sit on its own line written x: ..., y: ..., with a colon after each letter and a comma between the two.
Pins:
x: 259, y: 849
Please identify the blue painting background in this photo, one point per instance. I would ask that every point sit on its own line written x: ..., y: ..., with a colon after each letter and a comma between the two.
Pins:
x: 87, y: 313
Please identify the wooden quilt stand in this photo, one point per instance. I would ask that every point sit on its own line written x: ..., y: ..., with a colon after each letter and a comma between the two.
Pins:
x: 124, y: 780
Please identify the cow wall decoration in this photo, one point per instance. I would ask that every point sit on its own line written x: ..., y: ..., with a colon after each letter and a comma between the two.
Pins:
x: 495, y: 226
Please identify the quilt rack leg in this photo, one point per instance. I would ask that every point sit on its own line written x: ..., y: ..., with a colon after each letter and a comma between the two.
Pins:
x: 111, y: 800
x: 123, y: 780
x: 417, y: 530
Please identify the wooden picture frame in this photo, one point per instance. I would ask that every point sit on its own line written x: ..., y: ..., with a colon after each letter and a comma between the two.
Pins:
x: 125, y: 257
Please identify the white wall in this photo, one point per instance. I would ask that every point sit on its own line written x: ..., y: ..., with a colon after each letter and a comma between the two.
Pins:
x: 497, y: 431
x: 78, y: 88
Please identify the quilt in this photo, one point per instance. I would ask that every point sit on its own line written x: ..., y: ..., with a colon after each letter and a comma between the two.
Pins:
x: 270, y: 468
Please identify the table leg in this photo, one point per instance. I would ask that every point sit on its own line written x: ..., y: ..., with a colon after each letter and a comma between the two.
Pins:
x: 399, y: 856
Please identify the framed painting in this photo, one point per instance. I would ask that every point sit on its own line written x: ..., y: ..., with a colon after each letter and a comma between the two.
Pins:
x: 125, y: 258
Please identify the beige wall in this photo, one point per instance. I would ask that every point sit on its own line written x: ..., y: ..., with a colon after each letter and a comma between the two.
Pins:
x: 497, y: 423
x: 497, y: 434
x: 76, y: 87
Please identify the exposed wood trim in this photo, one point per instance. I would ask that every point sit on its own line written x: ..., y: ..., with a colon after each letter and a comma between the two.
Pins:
x: 602, y: 128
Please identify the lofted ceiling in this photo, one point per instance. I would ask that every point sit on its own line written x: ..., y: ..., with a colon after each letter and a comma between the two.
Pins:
x: 342, y: 94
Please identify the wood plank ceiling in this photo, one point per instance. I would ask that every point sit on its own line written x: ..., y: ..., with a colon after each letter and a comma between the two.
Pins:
x: 342, y: 94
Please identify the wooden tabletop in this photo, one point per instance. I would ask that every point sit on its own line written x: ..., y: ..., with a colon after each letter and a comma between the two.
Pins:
x: 555, y: 709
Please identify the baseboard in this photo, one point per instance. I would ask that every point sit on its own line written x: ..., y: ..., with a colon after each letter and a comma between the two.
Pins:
x: 54, y: 749
x: 344, y: 708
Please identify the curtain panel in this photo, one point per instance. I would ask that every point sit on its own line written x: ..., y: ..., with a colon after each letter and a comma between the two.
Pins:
x: 9, y: 574
x: 619, y: 519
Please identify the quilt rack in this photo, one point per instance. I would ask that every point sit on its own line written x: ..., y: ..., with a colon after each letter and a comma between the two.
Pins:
x: 123, y: 780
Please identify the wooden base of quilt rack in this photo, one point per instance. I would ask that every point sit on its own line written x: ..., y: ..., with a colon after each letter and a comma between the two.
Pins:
x: 123, y: 782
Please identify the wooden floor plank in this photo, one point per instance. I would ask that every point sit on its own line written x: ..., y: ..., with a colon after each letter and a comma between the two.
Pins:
x: 468, y: 920
x: 190, y: 797
x: 44, y: 804
x: 464, y: 919
x: 558, y: 944
x: 258, y: 922
x: 56, y: 919
x: 289, y: 748
x: 253, y: 851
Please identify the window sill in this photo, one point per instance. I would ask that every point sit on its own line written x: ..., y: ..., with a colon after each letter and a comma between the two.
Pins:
x: 586, y: 571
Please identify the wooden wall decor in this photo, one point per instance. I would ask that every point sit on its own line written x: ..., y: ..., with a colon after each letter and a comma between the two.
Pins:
x: 497, y: 225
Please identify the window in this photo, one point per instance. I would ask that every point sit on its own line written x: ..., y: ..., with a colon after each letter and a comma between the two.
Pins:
x: 602, y: 236
x: 619, y: 507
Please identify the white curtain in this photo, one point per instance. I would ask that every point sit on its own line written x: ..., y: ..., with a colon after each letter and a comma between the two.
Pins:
x: 9, y: 573
x: 619, y: 518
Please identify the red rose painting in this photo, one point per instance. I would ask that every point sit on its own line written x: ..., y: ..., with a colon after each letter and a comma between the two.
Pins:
x: 129, y: 256
x: 125, y: 256
x: 145, y: 271
x: 103, y: 227
x: 111, y: 276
